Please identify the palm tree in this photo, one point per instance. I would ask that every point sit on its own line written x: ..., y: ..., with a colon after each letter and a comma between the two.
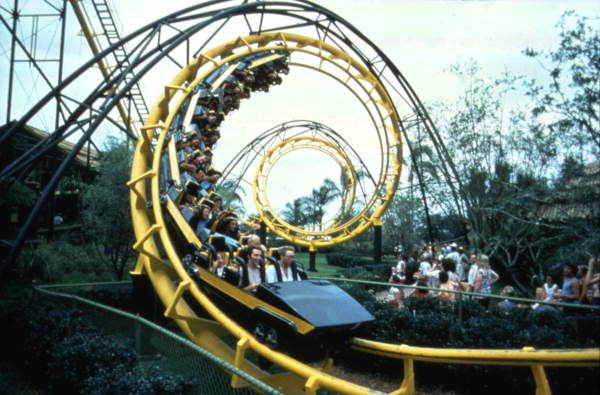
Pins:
x: 320, y: 198
x: 232, y: 192
x: 349, y: 208
x: 422, y: 165
x: 294, y: 213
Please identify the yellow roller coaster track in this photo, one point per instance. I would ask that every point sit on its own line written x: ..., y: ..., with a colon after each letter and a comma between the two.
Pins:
x: 261, y: 200
x: 159, y: 260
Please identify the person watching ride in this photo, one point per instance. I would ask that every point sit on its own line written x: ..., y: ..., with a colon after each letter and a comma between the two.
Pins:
x: 571, y: 287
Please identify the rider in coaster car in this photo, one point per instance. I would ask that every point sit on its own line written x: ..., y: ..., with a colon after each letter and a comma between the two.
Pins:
x: 210, y: 136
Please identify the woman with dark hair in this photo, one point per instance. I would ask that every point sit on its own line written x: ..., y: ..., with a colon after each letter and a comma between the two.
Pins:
x: 230, y: 228
x: 449, y: 266
x: 202, y: 227
x: 446, y: 284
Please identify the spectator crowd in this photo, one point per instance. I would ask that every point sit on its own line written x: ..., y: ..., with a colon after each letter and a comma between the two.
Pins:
x: 452, y: 270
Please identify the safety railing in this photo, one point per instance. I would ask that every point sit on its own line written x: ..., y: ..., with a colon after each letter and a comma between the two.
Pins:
x: 462, y: 295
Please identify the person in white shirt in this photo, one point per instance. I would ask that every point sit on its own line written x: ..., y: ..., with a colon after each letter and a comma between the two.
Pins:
x: 399, y: 271
x: 455, y: 255
x: 433, y: 280
x: 218, y: 264
x: 472, y: 276
x: 549, y: 289
x: 285, y: 269
x: 424, y: 266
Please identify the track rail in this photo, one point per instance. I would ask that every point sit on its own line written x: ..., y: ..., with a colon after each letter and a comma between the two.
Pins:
x: 527, y: 356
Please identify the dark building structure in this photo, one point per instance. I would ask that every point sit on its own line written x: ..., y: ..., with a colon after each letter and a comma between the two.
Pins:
x: 577, y: 199
x: 65, y: 201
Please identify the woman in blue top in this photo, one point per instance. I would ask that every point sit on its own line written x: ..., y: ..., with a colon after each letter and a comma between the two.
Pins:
x: 570, y: 288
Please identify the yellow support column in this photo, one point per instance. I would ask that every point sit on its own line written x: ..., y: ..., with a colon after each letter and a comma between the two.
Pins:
x: 311, y: 386
x: 240, y: 352
x: 327, y: 365
x: 408, y: 383
x: 542, y: 387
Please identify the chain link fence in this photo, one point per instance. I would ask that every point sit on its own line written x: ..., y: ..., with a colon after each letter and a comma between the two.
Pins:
x: 155, y: 345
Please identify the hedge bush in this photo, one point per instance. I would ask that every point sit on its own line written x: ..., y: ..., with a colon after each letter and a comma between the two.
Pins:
x: 59, y: 349
x: 361, y: 267
x: 81, y: 355
x: 342, y: 259
x: 123, y: 380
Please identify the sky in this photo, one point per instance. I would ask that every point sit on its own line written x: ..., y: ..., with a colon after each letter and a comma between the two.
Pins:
x: 422, y: 37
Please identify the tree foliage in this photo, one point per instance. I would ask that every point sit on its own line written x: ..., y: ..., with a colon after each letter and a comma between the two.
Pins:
x: 569, y: 105
x: 295, y: 213
x: 403, y: 224
x: 14, y: 192
x: 105, y: 215
x: 525, y: 188
x: 232, y: 194
x: 310, y: 210
x: 521, y: 162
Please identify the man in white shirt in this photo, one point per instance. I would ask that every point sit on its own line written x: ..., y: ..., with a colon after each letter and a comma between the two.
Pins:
x: 462, y: 265
x: 424, y: 266
x: 284, y: 269
x: 455, y: 256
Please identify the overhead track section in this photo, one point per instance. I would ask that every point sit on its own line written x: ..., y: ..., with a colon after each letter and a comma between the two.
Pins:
x: 242, y: 166
x: 330, y: 230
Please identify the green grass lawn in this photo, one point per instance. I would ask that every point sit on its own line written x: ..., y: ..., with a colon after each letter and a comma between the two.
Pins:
x: 323, y: 269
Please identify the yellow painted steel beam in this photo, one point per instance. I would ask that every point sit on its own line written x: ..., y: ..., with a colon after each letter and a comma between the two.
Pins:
x: 163, y: 276
x: 241, y: 296
x: 191, y: 107
x: 542, y: 387
x: 302, y: 44
x: 173, y: 163
x: 222, y: 77
x: 525, y: 356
